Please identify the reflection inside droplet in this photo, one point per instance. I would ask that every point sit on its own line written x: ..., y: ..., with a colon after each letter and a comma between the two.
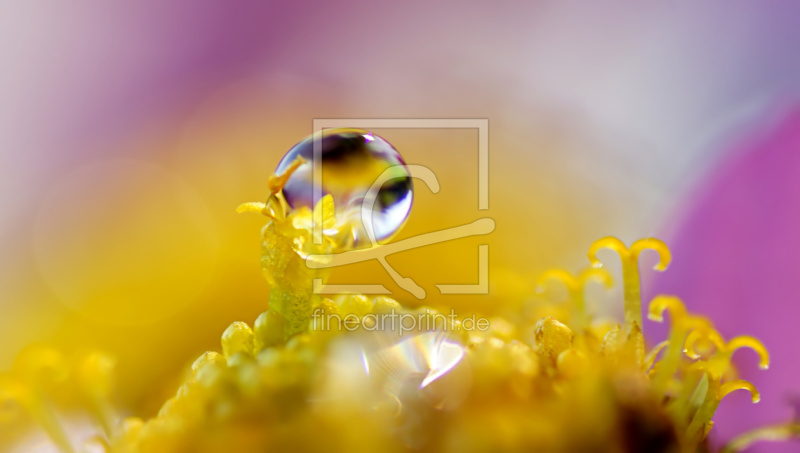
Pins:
x: 352, y: 160
x: 426, y: 356
x: 409, y: 379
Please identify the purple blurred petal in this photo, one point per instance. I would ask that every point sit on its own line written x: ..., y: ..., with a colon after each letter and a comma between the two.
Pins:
x: 737, y: 255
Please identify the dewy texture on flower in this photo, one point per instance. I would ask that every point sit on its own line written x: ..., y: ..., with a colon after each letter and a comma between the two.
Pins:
x: 349, y: 373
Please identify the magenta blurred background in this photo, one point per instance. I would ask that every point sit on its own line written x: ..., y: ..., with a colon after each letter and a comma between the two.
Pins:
x: 130, y: 130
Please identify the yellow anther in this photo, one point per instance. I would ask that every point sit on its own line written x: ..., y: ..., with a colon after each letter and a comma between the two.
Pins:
x: 630, y: 270
x: 238, y: 337
x: 269, y: 330
x: 208, y: 359
x: 552, y: 338
x: 740, y: 384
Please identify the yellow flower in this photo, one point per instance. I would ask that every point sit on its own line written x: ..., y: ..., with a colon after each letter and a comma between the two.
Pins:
x: 320, y: 374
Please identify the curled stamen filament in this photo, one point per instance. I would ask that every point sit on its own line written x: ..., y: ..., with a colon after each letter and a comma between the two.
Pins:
x: 720, y: 361
x: 740, y: 384
x: 630, y: 270
x: 575, y: 286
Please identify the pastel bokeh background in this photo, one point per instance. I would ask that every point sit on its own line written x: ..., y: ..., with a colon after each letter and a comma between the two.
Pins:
x: 130, y: 131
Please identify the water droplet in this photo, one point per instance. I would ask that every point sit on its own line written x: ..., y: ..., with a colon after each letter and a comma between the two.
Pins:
x: 422, y: 358
x: 352, y: 161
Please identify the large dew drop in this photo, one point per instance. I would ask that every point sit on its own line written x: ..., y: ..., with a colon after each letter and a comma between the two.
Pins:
x: 352, y: 161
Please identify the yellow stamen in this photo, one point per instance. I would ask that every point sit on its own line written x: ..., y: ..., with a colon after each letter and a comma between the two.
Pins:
x: 268, y: 329
x: 324, y: 210
x: 690, y: 348
x: 275, y: 206
x: 630, y: 270
x: 39, y: 368
x: 662, y: 303
x: 650, y: 358
x: 572, y: 362
x: 740, y: 384
x: 610, y: 345
x: 237, y: 338
x: 746, y: 341
x: 95, y: 375
x: 207, y: 359
x: 575, y: 288
x: 252, y: 206
x: 682, y: 324
x: 780, y: 432
x: 698, y: 428
x: 720, y: 362
x: 691, y: 395
x: 275, y: 183
x: 552, y: 338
